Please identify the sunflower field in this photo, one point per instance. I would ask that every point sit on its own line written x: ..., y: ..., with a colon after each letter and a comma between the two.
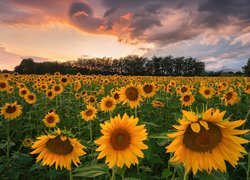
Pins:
x: 124, y: 127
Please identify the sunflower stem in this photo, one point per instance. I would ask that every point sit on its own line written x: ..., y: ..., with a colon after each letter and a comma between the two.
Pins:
x: 70, y: 175
x: 135, y: 112
x: 8, y: 144
x: 186, y: 176
x: 90, y: 131
x: 113, y: 174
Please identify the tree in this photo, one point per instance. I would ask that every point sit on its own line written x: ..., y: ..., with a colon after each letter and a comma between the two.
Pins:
x: 26, y: 66
x: 246, y: 68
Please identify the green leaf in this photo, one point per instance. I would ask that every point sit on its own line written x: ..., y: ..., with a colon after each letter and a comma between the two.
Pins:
x: 150, y: 124
x: 166, y: 173
x: 159, y: 136
x: 91, y: 171
x: 215, y: 175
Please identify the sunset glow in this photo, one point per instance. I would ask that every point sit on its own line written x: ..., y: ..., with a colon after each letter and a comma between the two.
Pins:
x: 215, y: 32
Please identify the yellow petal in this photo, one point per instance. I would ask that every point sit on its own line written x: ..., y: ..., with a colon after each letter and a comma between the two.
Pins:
x: 190, y: 116
x: 204, y: 124
x: 196, y: 127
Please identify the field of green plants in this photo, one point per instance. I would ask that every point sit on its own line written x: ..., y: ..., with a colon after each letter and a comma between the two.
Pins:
x: 124, y: 127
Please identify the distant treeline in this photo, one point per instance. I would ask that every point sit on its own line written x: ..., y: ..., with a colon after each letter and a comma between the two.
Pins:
x: 130, y: 65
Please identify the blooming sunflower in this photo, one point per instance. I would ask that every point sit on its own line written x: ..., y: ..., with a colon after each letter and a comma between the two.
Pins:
x: 50, y: 94
x: 206, y: 141
x: 89, y: 114
x: 58, y: 149
x: 187, y: 99
x: 122, y: 141
x: 116, y: 96
x: 30, y: 98
x: 206, y: 92
x: 131, y: 94
x: 231, y: 98
x: 51, y: 119
x: 157, y: 103
x: 11, y: 110
x: 149, y: 90
x: 57, y: 88
x: 3, y: 85
x: 107, y: 104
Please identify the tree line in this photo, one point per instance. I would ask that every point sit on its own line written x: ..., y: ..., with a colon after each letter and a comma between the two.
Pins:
x: 129, y: 65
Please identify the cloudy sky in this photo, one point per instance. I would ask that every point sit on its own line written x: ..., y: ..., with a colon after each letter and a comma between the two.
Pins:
x: 216, y: 32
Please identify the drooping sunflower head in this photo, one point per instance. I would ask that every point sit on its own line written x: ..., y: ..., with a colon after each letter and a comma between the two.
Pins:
x: 30, y: 98
x: 51, y: 119
x: 108, y: 104
x: 122, y: 141
x: 131, y: 94
x: 208, y: 140
x: 11, y: 110
x: 187, y: 99
x: 59, y: 149
x: 89, y: 114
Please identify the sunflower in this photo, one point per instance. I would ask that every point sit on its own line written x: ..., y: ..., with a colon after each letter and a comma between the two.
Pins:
x: 187, y: 99
x: 122, y: 141
x: 30, y: 98
x: 58, y: 149
x: 107, y: 104
x: 206, y: 92
x: 247, y: 89
x: 51, y: 119
x: 157, y: 103
x: 184, y: 89
x: 3, y: 85
x: 206, y: 141
x: 231, y: 98
x: 149, y: 90
x: 91, y: 100
x: 64, y: 80
x: 131, y: 94
x: 50, y: 94
x: 116, y: 96
x: 27, y: 142
x: 11, y: 110
x: 57, y: 88
x: 89, y: 114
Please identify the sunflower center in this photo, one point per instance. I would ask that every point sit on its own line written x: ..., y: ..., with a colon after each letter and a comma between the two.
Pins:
x: 23, y: 92
x: 203, y: 141
x: 64, y: 79
x: 148, y: 88
x: 186, y: 98
x: 109, y: 104
x: 132, y: 93
x: 89, y: 112
x: 116, y: 96
x: 229, y: 96
x: 58, y: 146
x: 92, y: 99
x: 57, y: 88
x: 3, y: 85
x: 183, y: 89
x: 207, y: 92
x: 50, y: 93
x: 120, y: 139
x: 11, y: 109
x: 31, y: 97
x: 50, y: 119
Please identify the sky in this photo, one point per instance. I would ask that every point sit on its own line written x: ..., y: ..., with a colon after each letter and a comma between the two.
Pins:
x: 216, y: 32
